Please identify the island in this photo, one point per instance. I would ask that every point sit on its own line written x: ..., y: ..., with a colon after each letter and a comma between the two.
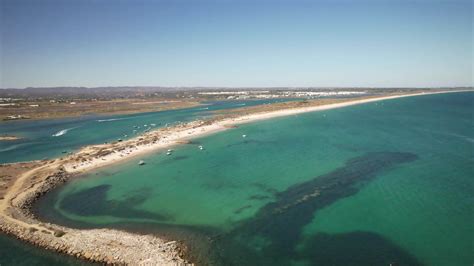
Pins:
x: 9, y: 138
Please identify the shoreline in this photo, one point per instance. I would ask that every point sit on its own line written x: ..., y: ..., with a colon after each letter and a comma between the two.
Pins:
x: 195, y: 129
x: 109, y: 245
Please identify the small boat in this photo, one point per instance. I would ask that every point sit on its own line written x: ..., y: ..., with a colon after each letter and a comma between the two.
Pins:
x: 244, y: 136
x: 141, y: 162
x: 170, y: 150
x: 201, y: 147
x: 168, y: 153
x: 119, y: 140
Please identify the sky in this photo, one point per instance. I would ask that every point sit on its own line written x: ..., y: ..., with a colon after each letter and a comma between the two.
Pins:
x: 258, y: 43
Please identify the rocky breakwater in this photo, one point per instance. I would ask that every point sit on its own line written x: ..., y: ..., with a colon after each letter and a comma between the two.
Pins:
x: 97, y: 245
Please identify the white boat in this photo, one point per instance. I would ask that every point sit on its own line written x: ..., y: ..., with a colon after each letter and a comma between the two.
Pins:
x: 201, y: 147
x: 168, y: 153
x: 170, y: 150
x: 141, y: 162
x: 244, y: 136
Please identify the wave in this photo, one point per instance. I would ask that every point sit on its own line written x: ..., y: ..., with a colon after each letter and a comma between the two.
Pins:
x: 62, y: 132
x: 112, y: 119
x: 9, y: 148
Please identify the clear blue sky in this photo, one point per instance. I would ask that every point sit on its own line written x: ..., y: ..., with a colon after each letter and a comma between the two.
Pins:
x: 236, y: 43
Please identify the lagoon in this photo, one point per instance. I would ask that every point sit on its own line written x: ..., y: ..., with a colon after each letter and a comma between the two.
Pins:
x: 53, y: 138
x: 384, y: 182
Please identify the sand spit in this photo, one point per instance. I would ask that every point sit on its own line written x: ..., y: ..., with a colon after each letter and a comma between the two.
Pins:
x: 102, y: 155
x: 24, y: 183
x: 9, y: 138
x: 97, y: 245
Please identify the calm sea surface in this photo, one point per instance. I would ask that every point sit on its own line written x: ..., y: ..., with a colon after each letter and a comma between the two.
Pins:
x: 51, y: 138
x: 373, y: 184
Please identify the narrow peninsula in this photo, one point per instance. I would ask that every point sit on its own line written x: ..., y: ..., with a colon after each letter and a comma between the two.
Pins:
x: 23, y: 183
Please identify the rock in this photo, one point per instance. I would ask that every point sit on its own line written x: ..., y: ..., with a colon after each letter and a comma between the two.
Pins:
x: 58, y: 233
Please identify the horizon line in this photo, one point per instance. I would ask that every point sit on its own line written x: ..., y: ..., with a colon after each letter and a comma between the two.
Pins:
x: 241, y: 87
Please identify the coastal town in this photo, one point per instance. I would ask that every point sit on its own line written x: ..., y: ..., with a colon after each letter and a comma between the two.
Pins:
x: 45, y: 103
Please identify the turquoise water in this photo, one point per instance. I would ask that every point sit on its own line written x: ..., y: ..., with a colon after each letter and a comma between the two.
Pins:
x: 38, y: 142
x: 373, y: 184
x: 51, y: 138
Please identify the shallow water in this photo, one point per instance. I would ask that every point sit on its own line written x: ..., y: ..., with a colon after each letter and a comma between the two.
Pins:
x: 54, y: 137
x: 373, y: 184
x: 50, y: 138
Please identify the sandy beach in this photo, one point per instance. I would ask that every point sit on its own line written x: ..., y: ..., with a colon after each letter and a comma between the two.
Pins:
x: 27, y: 182
x: 165, y: 138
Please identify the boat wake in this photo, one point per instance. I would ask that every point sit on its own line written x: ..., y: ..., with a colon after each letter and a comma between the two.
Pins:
x: 112, y: 119
x: 62, y: 132
x: 14, y: 147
